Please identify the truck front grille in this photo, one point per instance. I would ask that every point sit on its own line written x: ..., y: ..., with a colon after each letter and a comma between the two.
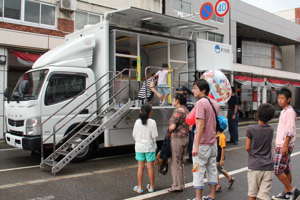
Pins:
x: 16, y: 123
x: 17, y: 133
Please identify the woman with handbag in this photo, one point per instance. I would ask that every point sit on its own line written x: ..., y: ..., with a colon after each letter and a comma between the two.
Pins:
x: 179, y: 135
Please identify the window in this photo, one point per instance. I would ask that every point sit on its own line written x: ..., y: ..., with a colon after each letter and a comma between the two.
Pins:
x: 28, y: 12
x: 62, y: 87
x: 211, y: 36
x: 214, y: 17
x: 183, y: 6
x: 12, y: 9
x: 84, y: 18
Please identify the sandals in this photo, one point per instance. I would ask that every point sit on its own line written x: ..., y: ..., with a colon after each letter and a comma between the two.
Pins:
x: 231, y: 182
x: 218, y: 189
x: 148, y: 188
x: 136, y: 189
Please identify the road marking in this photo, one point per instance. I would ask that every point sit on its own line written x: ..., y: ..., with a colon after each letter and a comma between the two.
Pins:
x: 165, y: 191
x: 43, y: 198
x: 18, y: 168
x: 10, y: 149
x: 65, y: 177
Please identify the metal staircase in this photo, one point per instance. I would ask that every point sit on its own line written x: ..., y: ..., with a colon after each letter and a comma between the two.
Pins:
x: 78, y: 139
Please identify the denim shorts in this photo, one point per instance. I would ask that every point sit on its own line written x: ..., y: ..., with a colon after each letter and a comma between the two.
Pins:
x: 163, y: 89
x: 149, y: 156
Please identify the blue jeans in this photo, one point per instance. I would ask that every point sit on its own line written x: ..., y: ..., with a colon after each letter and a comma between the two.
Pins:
x: 233, y: 126
x: 191, y: 142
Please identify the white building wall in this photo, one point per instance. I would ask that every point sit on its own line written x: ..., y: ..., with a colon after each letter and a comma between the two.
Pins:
x: 223, y: 28
x: 287, y: 14
x: 259, y: 54
x: 288, y: 58
x: 102, y: 6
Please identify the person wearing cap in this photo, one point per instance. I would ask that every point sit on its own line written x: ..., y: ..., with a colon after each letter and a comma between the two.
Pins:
x: 189, y: 105
x: 221, y: 141
x: 233, y: 117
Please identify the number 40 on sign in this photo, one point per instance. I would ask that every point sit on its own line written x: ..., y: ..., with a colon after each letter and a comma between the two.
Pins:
x: 222, y: 8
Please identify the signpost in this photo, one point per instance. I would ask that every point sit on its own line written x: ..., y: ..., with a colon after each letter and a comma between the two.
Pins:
x: 206, y: 11
x: 222, y: 8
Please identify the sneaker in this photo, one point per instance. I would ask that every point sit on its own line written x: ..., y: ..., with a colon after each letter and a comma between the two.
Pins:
x: 164, y: 103
x: 206, y: 198
x: 282, y: 195
x: 295, y: 195
x: 161, y: 103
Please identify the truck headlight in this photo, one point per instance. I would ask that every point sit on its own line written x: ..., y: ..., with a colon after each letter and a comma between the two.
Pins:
x: 33, y: 126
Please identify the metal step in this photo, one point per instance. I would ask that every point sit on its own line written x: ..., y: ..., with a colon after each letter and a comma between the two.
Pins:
x: 50, y: 163
x: 97, y: 125
x: 84, y: 133
x: 74, y: 142
x: 82, y: 144
x: 64, y: 153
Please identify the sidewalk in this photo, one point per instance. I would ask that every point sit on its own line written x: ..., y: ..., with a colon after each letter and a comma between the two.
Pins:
x: 252, y: 121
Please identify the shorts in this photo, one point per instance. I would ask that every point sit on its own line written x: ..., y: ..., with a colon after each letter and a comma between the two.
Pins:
x: 206, y: 159
x: 163, y: 89
x: 149, y: 156
x: 149, y: 98
x: 282, y: 165
x: 259, y: 184
x: 220, y: 168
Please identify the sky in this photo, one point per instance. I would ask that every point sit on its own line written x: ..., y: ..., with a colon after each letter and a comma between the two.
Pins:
x: 274, y: 5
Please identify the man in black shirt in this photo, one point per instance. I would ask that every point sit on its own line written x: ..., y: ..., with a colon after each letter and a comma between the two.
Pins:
x: 233, y: 117
x: 189, y: 105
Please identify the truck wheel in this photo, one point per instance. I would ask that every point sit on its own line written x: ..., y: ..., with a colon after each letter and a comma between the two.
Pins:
x: 84, y: 154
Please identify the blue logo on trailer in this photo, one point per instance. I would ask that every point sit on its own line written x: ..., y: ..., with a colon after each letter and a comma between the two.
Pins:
x: 217, y: 49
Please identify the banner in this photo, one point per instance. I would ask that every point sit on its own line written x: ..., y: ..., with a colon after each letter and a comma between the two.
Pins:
x: 26, y: 59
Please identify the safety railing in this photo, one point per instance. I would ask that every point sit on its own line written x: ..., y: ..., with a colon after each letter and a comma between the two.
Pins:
x: 119, y: 74
x: 146, y: 78
x: 183, y: 71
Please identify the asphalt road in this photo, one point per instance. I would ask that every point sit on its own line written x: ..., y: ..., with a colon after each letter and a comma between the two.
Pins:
x: 111, y: 174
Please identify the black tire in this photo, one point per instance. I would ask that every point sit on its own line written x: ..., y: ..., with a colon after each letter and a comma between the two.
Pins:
x: 85, y: 154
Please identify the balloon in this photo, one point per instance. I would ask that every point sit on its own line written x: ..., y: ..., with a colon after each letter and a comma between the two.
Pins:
x: 219, y: 85
x: 211, y: 96
x: 190, y: 119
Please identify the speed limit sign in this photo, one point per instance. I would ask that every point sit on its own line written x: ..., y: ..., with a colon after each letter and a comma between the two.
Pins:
x: 222, y: 8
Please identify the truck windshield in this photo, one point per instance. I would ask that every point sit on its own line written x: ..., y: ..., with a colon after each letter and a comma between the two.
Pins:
x: 29, y: 86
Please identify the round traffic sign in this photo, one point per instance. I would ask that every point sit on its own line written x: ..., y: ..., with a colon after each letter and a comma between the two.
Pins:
x: 222, y: 8
x: 206, y: 11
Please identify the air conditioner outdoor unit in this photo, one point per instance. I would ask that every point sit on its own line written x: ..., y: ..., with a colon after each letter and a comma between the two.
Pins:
x: 68, y: 4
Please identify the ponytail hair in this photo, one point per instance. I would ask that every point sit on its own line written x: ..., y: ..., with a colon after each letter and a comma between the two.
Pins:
x: 145, y: 110
x: 181, y: 97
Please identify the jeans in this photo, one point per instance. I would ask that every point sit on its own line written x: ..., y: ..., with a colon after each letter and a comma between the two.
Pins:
x: 191, y: 142
x: 233, y: 126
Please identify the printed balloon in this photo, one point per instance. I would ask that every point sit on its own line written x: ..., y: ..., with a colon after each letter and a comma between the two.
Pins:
x: 219, y: 85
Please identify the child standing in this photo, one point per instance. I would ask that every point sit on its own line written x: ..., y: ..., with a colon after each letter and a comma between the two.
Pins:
x: 145, y: 134
x: 221, y: 141
x: 285, y: 138
x: 163, y: 87
x: 260, y: 161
